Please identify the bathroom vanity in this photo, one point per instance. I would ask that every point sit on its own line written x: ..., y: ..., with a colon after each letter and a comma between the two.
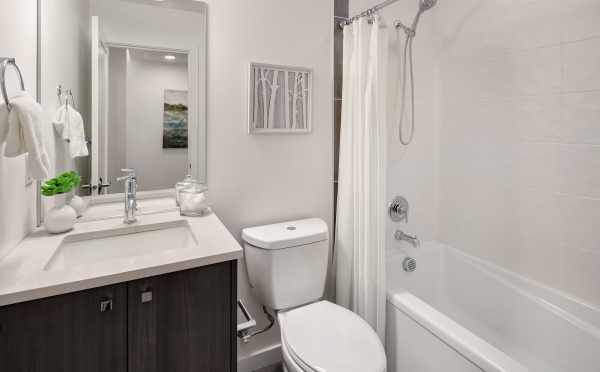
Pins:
x: 114, y: 297
x: 184, y: 321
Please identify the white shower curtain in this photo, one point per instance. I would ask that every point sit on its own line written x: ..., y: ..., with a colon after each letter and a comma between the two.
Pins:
x: 361, y: 214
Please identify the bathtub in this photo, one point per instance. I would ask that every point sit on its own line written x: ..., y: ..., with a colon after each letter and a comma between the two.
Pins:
x: 458, y: 313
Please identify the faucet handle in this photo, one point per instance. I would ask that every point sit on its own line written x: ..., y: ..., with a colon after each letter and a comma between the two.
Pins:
x: 398, y: 209
x: 130, y: 174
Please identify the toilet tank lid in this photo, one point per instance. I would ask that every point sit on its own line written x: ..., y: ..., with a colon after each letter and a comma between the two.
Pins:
x: 287, y: 234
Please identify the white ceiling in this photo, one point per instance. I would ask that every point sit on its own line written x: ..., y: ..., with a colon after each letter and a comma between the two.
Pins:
x: 158, y: 56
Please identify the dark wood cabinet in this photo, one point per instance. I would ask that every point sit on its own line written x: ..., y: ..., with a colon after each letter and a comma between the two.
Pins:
x: 182, y: 322
x: 67, y: 333
x: 179, y: 322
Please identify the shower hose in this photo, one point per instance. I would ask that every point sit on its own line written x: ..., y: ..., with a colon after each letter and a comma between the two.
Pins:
x: 407, y: 71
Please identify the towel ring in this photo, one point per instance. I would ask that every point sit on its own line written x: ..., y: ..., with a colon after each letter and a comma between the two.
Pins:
x: 5, y: 63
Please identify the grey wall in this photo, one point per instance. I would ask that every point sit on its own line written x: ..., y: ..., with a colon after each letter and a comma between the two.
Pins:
x: 156, y: 167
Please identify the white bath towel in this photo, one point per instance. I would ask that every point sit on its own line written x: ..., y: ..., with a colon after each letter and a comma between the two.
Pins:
x: 69, y: 124
x: 25, y: 134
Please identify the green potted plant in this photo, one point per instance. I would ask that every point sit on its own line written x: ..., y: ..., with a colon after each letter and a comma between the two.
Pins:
x: 62, y: 216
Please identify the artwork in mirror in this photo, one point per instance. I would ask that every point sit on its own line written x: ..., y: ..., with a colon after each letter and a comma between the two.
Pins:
x: 175, y: 119
x: 141, y: 106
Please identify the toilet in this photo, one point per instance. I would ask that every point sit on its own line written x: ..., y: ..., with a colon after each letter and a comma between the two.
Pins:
x: 287, y: 268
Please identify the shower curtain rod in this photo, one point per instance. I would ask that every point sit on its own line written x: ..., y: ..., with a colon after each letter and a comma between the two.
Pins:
x: 366, y: 13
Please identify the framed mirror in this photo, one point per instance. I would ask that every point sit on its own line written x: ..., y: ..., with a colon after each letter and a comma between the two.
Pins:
x: 135, y: 72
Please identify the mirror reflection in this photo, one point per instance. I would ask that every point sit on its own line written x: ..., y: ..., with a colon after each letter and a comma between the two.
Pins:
x: 144, y: 125
x: 133, y: 70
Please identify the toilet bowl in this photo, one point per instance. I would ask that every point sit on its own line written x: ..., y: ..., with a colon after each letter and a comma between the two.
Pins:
x: 287, y: 267
x: 326, y: 337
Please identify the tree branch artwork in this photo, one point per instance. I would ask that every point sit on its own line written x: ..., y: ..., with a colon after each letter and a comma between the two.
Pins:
x: 280, y: 99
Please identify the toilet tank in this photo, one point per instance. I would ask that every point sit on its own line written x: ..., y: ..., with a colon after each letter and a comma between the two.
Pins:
x: 287, y: 262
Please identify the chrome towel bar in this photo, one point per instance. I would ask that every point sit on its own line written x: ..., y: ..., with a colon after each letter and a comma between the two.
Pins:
x: 4, y: 63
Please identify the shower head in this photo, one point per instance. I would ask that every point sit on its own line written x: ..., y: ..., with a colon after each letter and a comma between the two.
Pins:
x: 426, y: 5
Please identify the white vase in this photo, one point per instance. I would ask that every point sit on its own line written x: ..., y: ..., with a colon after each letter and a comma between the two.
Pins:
x: 61, y: 218
x: 78, y: 204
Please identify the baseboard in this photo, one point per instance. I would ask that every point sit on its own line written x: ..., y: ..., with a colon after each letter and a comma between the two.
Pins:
x: 260, y: 358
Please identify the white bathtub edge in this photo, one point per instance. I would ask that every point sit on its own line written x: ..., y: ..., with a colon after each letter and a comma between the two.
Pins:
x: 539, y: 293
x: 454, y: 335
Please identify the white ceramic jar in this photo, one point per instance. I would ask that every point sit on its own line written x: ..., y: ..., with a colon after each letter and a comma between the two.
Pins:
x: 78, y: 204
x: 62, y: 217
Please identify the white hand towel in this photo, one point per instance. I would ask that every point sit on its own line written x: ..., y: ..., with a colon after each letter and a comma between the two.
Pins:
x: 3, y: 122
x: 25, y: 134
x: 61, y: 121
x: 69, y: 124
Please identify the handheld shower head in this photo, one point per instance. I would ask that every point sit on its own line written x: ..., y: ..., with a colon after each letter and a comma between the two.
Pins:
x: 407, y: 70
x: 426, y: 4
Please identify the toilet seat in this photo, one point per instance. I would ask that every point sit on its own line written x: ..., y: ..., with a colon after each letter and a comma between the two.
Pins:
x: 326, y: 337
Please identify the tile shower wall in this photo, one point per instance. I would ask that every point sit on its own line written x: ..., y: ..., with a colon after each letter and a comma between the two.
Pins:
x: 506, y: 159
x: 520, y: 137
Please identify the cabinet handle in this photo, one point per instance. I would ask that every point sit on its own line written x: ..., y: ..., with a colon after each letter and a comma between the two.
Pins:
x: 146, y: 297
x: 106, y: 305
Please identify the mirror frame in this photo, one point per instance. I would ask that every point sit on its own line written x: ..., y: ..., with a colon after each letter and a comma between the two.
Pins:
x: 39, y: 209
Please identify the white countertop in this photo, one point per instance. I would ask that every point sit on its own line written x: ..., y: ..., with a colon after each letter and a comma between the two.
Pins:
x: 23, y: 278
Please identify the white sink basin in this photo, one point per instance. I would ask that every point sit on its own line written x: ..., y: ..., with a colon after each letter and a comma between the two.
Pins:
x: 126, y: 243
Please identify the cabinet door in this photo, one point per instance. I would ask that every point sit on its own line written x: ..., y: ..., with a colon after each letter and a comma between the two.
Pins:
x: 184, y: 322
x: 67, y: 333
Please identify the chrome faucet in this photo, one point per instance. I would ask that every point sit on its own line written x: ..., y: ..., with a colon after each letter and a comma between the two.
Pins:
x: 412, y: 239
x: 130, y: 195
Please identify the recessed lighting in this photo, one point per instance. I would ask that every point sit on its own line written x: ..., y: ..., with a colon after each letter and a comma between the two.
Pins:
x: 170, y: 58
